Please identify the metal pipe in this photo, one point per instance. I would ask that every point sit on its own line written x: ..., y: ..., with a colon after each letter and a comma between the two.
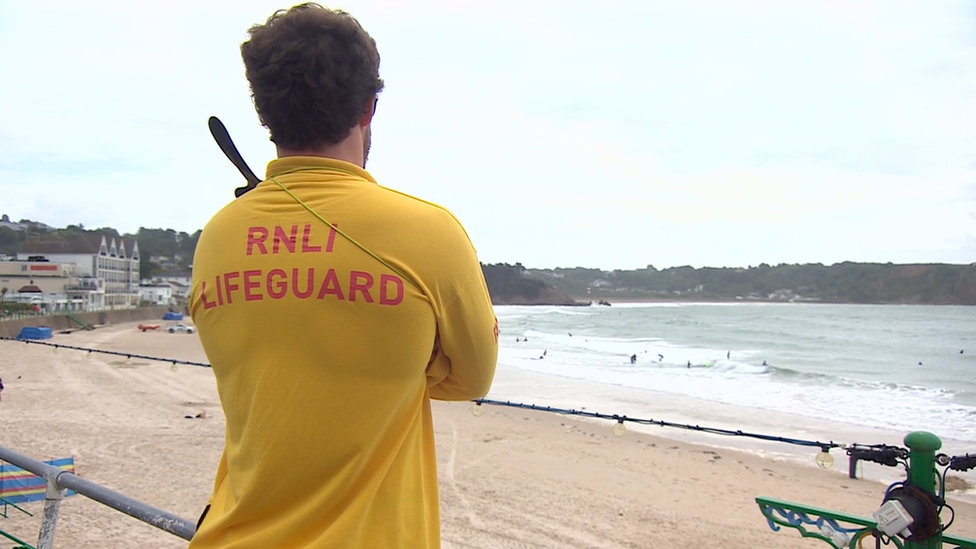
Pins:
x: 134, y: 508
x: 52, y: 508
x: 921, y: 472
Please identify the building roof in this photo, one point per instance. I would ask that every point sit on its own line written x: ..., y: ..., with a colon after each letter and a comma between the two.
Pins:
x: 79, y: 243
x: 30, y: 290
x: 174, y: 273
x: 13, y: 226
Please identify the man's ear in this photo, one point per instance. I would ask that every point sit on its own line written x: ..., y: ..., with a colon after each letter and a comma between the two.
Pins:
x: 369, y: 108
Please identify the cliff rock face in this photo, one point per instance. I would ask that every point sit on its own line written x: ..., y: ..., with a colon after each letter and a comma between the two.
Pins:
x: 546, y: 296
x: 508, y: 285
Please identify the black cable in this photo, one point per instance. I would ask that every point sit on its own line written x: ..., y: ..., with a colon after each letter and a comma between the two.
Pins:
x: 104, y: 352
x: 825, y: 446
x: 947, y: 525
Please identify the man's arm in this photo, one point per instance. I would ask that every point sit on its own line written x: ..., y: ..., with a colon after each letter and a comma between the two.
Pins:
x: 467, y: 345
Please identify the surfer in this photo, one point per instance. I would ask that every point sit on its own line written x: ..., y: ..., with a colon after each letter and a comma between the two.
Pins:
x: 633, y: 359
x: 728, y: 355
x: 764, y: 363
x: 689, y: 364
x: 660, y: 357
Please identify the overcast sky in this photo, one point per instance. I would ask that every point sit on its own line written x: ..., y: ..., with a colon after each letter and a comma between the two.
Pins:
x: 560, y: 133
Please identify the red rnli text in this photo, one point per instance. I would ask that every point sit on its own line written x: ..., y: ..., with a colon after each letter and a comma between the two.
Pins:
x: 279, y: 240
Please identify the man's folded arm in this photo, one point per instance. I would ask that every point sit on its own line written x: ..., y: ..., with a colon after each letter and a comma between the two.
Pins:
x: 464, y: 364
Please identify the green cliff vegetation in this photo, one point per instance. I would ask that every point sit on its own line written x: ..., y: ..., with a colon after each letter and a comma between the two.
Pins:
x: 840, y: 283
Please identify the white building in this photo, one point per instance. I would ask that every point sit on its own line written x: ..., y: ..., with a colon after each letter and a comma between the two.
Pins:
x: 107, y: 270
x: 161, y: 294
x: 178, y: 282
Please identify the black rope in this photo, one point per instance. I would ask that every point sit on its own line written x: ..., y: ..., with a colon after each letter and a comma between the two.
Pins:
x: 104, y: 352
x: 825, y: 446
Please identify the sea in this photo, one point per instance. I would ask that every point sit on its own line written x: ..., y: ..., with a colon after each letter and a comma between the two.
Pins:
x: 851, y: 374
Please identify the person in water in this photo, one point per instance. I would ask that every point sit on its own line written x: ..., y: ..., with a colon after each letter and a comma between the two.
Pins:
x: 633, y: 359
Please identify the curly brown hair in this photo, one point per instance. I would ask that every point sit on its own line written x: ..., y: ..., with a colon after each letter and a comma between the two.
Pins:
x: 311, y: 70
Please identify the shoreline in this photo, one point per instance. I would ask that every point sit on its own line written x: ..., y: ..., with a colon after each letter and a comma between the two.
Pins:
x: 510, y: 478
x: 518, y: 385
x: 594, y: 301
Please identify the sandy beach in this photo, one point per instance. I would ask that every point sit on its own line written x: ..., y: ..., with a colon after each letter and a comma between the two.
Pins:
x: 509, y: 478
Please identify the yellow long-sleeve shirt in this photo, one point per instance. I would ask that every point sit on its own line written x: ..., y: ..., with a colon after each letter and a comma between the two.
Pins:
x: 322, y: 357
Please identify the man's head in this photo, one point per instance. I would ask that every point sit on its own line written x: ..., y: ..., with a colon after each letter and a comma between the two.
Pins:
x: 314, y: 75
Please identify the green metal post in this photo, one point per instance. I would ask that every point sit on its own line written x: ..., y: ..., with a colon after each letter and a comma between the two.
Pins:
x: 921, y: 472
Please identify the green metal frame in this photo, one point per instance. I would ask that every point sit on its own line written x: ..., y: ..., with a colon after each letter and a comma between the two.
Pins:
x: 799, y: 516
x: 5, y: 503
x: 20, y: 543
x: 852, y: 528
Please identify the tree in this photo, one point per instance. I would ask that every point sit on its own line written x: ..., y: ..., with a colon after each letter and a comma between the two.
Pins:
x: 3, y: 293
x: 10, y: 241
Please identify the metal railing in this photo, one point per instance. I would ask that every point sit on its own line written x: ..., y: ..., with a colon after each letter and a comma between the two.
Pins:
x: 926, y: 531
x: 60, y: 481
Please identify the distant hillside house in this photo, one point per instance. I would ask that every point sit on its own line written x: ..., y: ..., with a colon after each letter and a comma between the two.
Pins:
x: 177, y: 280
x: 182, y: 276
x: 161, y: 295
x: 21, y: 227
x: 107, y: 269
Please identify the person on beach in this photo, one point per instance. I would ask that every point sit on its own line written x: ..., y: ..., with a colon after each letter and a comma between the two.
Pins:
x: 332, y: 310
x: 1, y: 388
